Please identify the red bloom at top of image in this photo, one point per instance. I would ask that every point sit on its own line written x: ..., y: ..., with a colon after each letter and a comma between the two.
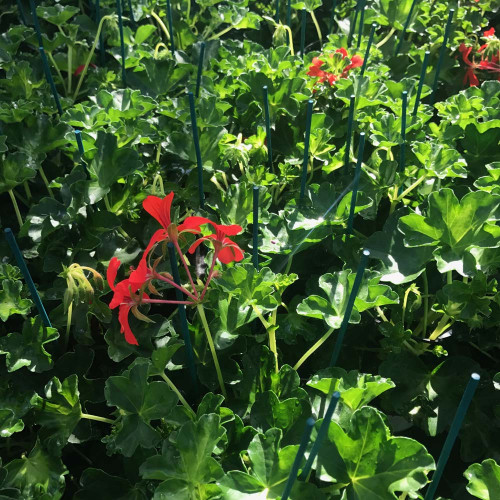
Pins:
x: 489, y: 33
x: 227, y: 250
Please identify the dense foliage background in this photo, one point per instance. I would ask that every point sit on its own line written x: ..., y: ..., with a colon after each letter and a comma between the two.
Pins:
x: 85, y: 414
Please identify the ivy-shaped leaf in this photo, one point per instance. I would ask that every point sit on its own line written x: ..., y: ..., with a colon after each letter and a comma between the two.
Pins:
x: 28, y: 348
x: 11, y: 301
x: 138, y: 402
x: 371, y: 463
x: 484, y: 480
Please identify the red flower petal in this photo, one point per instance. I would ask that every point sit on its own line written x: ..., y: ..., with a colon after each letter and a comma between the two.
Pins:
x: 159, y: 208
x: 125, y: 327
x: 197, y: 243
x: 229, y: 230
x: 111, y: 272
x: 230, y: 252
x: 342, y: 51
x: 193, y: 223
x: 490, y: 32
x: 160, y: 235
x: 139, y: 276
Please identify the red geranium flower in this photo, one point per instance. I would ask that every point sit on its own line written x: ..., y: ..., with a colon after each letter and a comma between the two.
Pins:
x: 314, y: 69
x: 470, y: 75
x: 489, y: 33
x: 80, y: 68
x: 226, y: 250
x: 160, y: 209
x: 125, y: 298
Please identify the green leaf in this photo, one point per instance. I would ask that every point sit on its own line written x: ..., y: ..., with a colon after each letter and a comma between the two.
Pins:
x: 96, y: 483
x: 58, y: 14
x: 454, y: 227
x: 11, y: 301
x: 369, y: 461
x: 38, y: 475
x: 337, y: 288
x: 439, y: 160
x: 110, y: 163
x: 9, y: 423
x: 269, y: 466
x: 139, y: 402
x: 484, y: 480
x: 28, y: 348
x: 15, y: 168
x: 58, y: 413
x: 399, y: 264
x: 188, y: 459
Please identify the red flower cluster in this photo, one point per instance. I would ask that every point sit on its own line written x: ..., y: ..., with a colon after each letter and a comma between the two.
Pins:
x: 489, y: 55
x: 129, y: 293
x: 338, y: 65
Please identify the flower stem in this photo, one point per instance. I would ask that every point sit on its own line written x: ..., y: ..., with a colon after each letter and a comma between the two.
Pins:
x: 315, y: 21
x: 68, y: 325
x: 89, y: 58
x: 46, y: 182
x: 310, y: 351
x: 184, y: 263
x: 58, y: 71
x: 174, y: 284
x: 426, y: 302
x: 70, y: 68
x: 271, y: 331
x: 27, y: 190
x: 218, y: 35
x: 179, y: 395
x: 203, y: 318
x: 411, y: 188
x: 97, y: 418
x: 161, y: 23
x: 16, y: 207
x: 210, y: 275
x: 386, y: 39
x: 161, y: 301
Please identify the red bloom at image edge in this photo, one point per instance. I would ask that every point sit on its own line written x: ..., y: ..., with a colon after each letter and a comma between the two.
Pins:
x: 227, y: 250
x: 124, y: 297
x: 80, y: 68
x: 489, y: 33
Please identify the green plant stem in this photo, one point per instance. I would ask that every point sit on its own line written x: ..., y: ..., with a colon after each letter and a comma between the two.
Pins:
x: 449, y: 277
x: 174, y: 284
x: 203, y: 318
x: 290, y: 39
x: 271, y: 332
x: 386, y: 39
x: 68, y: 326
x: 46, y: 182
x: 97, y: 418
x: 184, y: 263
x: 223, y: 32
x: 441, y: 327
x: 426, y: 302
x: 411, y: 188
x: 179, y: 395
x: 311, y: 350
x: 91, y: 54
x: 318, y: 30
x: 27, y: 190
x: 16, y: 207
x: 161, y: 23
x: 70, y: 69
x: 22, y: 199
x: 158, y: 153
x: 405, y: 302
x: 58, y: 71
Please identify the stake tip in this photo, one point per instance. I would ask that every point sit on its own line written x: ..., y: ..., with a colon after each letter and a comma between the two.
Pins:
x: 255, y: 188
x: 78, y: 132
x: 405, y: 93
x: 310, y: 422
x: 475, y: 376
x: 336, y: 395
x: 362, y: 135
x: 352, y: 97
x: 366, y: 252
x: 7, y: 230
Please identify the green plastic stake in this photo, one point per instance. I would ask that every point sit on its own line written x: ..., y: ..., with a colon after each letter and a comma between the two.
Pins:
x: 50, y: 80
x: 402, y: 150
x: 332, y: 15
x: 196, y: 141
x: 421, y: 82
x: 170, y: 26
x: 11, y: 240
x: 368, y: 47
x: 322, y: 432
x: 441, y: 54
x: 79, y: 142
x: 265, y: 94
x: 22, y: 15
x: 352, y: 27
x: 357, y: 174
x: 277, y: 15
x: 452, y: 435
x: 255, y: 228
x: 288, y: 18
x: 350, y: 121
x: 361, y: 26
x: 405, y: 27
x: 307, y: 139
x: 298, y: 458
x: 131, y: 12
x: 35, y: 23
x: 350, y: 304
x: 182, y: 317
x: 102, y: 57
x: 303, y: 32
x: 122, y: 42
x: 200, y: 68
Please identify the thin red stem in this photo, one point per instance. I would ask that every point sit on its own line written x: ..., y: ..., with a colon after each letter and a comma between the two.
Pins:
x: 160, y: 301
x: 210, y: 274
x: 184, y: 263
x: 173, y: 283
